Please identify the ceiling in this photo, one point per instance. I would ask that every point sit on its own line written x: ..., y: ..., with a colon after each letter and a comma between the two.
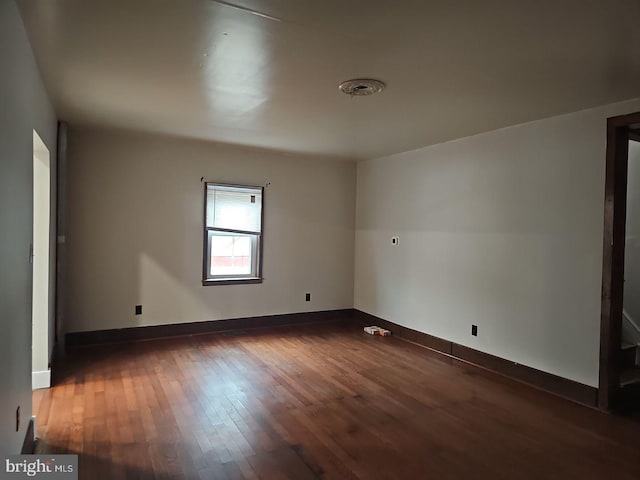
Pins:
x: 266, y: 73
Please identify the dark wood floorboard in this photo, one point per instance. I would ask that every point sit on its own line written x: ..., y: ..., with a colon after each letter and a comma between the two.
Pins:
x: 316, y: 402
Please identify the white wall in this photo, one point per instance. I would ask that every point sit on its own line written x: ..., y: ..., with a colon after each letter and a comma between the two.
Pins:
x: 135, y: 231
x: 502, y: 230
x: 24, y: 106
x: 632, y: 245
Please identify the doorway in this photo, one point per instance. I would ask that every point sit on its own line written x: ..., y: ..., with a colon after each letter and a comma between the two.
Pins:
x: 619, y: 132
x: 41, y: 374
x: 631, y: 300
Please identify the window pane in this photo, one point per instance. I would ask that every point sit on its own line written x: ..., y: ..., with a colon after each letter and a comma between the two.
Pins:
x: 233, y: 232
x: 234, y: 208
x: 232, y: 254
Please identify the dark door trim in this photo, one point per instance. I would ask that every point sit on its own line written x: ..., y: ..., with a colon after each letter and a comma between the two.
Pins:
x: 615, y: 207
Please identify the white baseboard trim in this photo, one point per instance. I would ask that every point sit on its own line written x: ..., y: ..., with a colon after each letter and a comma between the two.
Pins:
x: 41, y: 379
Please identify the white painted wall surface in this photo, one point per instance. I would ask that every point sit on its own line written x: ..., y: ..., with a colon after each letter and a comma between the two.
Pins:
x: 24, y: 106
x: 136, y: 227
x: 502, y: 230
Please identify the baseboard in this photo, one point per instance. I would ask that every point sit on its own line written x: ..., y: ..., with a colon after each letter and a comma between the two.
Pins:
x: 570, y: 389
x: 132, y: 334
x: 578, y: 392
x: 29, y: 444
x: 424, y: 339
x: 41, y: 379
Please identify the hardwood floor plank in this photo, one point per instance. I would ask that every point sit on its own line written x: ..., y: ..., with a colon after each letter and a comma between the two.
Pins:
x: 315, y: 402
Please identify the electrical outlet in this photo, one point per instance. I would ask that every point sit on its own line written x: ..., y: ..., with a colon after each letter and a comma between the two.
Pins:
x: 474, y: 330
x: 307, y: 297
x: 18, y: 418
x: 138, y: 309
x: 395, y: 241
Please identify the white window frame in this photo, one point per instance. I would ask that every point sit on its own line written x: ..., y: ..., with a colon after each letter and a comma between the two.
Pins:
x: 256, y: 239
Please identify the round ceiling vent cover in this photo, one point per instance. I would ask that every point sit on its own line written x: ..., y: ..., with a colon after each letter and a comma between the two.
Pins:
x: 361, y: 86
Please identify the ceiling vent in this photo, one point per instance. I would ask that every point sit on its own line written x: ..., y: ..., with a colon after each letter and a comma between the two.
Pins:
x: 361, y: 86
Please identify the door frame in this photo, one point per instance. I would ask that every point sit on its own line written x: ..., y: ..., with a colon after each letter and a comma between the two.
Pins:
x: 41, y: 264
x: 615, y: 210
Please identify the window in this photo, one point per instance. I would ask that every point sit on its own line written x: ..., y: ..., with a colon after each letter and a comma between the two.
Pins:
x: 232, y: 234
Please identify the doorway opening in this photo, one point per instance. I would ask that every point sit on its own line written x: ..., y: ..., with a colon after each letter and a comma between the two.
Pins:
x: 40, y: 253
x: 615, y: 384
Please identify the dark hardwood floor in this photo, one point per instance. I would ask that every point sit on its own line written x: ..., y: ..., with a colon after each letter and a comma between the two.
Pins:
x: 319, y: 401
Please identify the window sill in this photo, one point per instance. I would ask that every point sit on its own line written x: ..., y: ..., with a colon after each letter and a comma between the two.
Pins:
x: 231, y: 281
